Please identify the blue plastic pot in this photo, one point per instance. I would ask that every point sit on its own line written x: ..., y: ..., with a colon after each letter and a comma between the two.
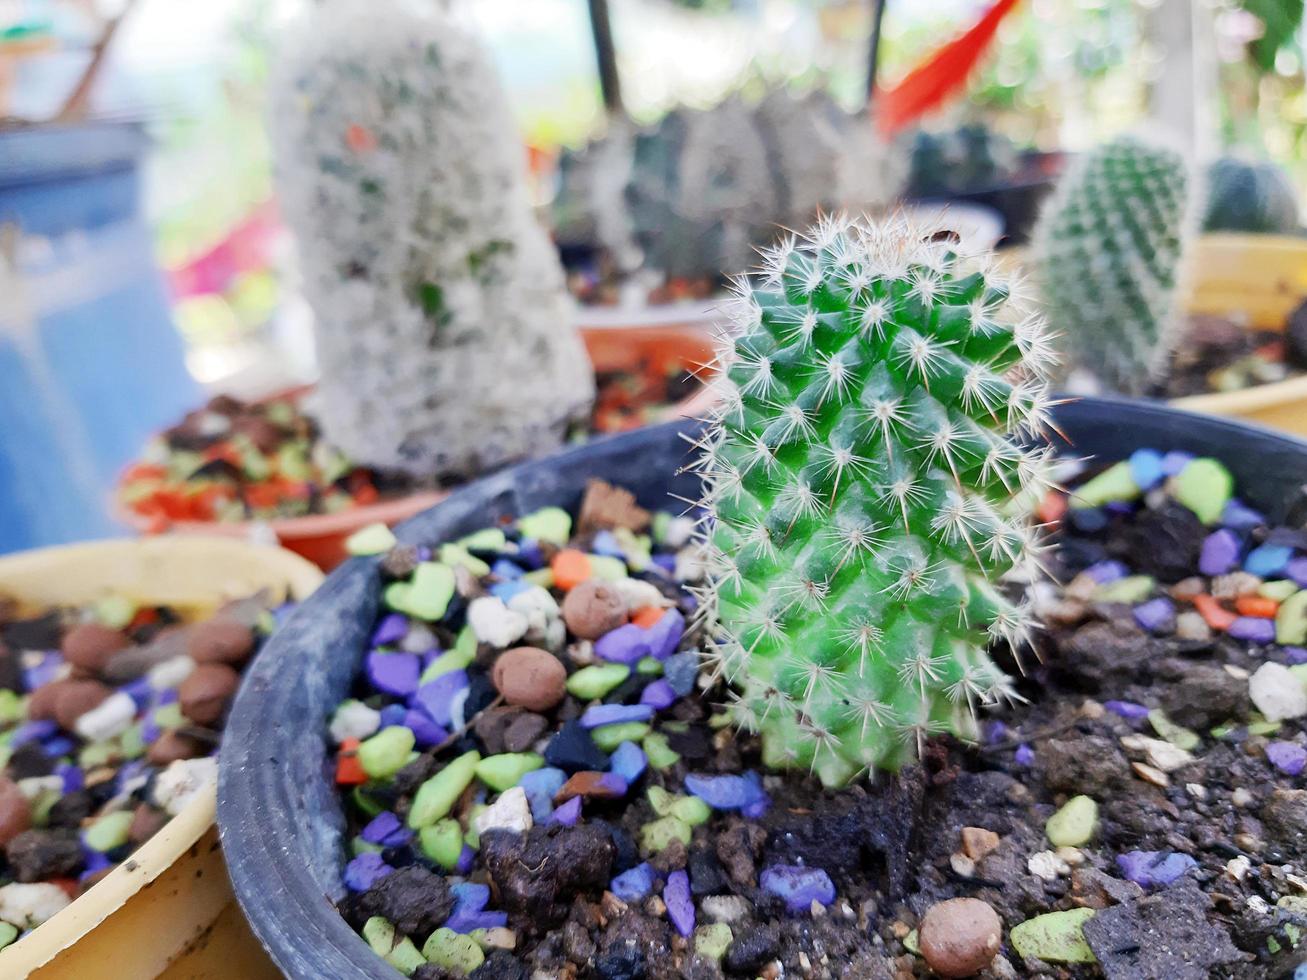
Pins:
x: 90, y: 362
x: 278, y: 812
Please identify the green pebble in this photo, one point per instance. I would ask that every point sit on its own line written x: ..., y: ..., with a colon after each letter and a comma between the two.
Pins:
x: 1291, y: 620
x: 487, y: 539
x: 115, y: 611
x: 649, y: 667
x: 12, y: 708
x: 109, y: 831
x: 607, y: 568
x: 912, y: 943
x: 1114, y: 483
x: 455, y: 554
x: 661, y: 524
x: 1073, y: 825
x: 453, y: 951
x: 660, y: 800
x: 292, y: 461
x: 472, y: 838
x: 466, y: 642
x: 396, y: 950
x: 437, y: 796
x: 543, y: 577
x: 1205, y: 487
x: 447, y: 662
x: 594, y: 682
x: 504, y: 771
x: 1264, y: 727
x: 660, y: 755
x: 719, y: 720
x: 8, y: 933
x: 1297, y: 904
x: 130, y: 742
x: 711, y: 941
x: 1055, y: 937
x: 1279, y: 589
x: 375, y: 539
x: 97, y: 754
x: 551, y: 524
x: 442, y: 842
x: 609, y: 737
x: 386, y: 752
x: 365, y: 802
x: 658, y: 834
x: 43, y: 804
x: 1131, y: 589
x: 360, y: 846
x: 429, y: 591
x: 1177, y: 735
x: 691, y: 810
x: 169, y: 716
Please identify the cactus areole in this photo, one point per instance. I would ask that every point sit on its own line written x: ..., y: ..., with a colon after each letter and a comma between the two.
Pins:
x: 866, y: 478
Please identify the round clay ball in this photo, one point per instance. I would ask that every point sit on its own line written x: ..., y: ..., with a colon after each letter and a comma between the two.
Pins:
x: 15, y: 812
x: 90, y: 645
x: 74, y: 698
x: 960, y: 937
x: 593, y: 608
x: 221, y: 640
x: 173, y: 746
x: 204, y: 694
x: 530, y: 678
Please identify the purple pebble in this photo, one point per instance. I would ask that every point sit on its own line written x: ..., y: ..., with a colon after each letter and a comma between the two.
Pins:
x: 394, y: 673
x: 467, y: 859
x: 1127, y: 710
x: 94, y: 863
x: 530, y: 555
x: 392, y: 715
x: 1174, y: 461
x: 1253, y: 629
x: 624, y: 645
x: 58, y: 746
x: 33, y: 731
x: 723, y: 792
x: 568, y: 813
x: 680, y: 907
x: 391, y: 629
x: 666, y: 562
x: 1297, y: 570
x: 470, y: 896
x: 605, y: 543
x: 629, y: 762
x: 1238, y: 515
x: 1024, y: 755
x: 1105, y: 572
x: 425, y: 731
x: 1296, y: 655
x: 1288, y: 757
x: 634, y: 885
x: 465, y: 922
x: 1156, y: 615
x: 798, y: 886
x: 658, y: 695
x: 615, y: 714
x: 665, y: 635
x: 435, y: 697
x: 365, y: 871
x: 72, y: 777
x: 1220, y: 552
x: 995, y: 732
x: 44, y: 672
x: 139, y: 691
x: 380, y: 827
x: 1154, y: 869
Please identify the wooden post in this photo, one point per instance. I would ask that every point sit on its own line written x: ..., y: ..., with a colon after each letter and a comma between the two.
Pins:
x: 873, y: 47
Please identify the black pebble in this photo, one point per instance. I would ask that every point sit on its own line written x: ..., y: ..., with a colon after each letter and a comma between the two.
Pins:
x: 628, y: 689
x: 29, y: 760
x: 573, y: 750
x: 500, y: 965
x: 753, y: 948
x: 626, y: 965
x: 706, y: 874
x: 11, y: 670
x: 455, y: 614
x: 693, y: 744
x: 626, y: 855
x: 1164, y: 542
x: 1295, y: 337
x: 37, y: 855
x: 480, y: 692
x: 416, y: 900
x: 72, y: 808
x: 41, y: 633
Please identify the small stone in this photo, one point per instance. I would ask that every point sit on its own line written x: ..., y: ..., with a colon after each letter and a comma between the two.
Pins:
x: 711, y: 941
x: 115, y: 714
x: 524, y: 731
x: 386, y: 752
x: 373, y: 539
x: 458, y: 954
x: 797, y: 886
x: 510, y: 811
x: 1267, y: 560
x: 1151, y: 774
x: 540, y: 787
x: 530, y: 677
x: 1288, y: 757
x: 90, y: 645
x: 1177, y: 735
x: 680, y: 906
x: 1156, y: 615
x: 1154, y: 869
x: 608, y: 737
x: 959, y: 937
x: 504, y: 771
x: 725, y: 908
x: 437, y: 796
x: 659, y: 695
x: 1055, y: 937
x: 629, y: 761
x: 552, y: 524
x: 593, y: 608
x: 1291, y: 620
x: 222, y: 640
x: 657, y: 835
x: 1277, y: 693
x: 977, y: 842
x: 39, y: 855
x: 726, y: 792
x: 1047, y: 866
x: 573, y: 750
x: 1190, y: 625
x: 597, y: 681
x: 1129, y: 590
x: 203, y: 695
x: 75, y: 698
x: 1074, y: 824
x: 109, y: 831
x: 681, y: 671
x: 426, y: 595
x: 659, y: 751
x: 1161, y: 755
x: 1117, y: 482
x: 1220, y: 553
x: 592, y: 785
x: 753, y: 949
x: 1204, y: 486
x: 634, y: 885
x: 184, y: 781
x: 665, y: 635
x: 624, y: 645
x: 393, y: 673
x: 436, y: 697
x: 354, y: 719
x: 615, y: 714
x: 28, y: 905
x: 1253, y: 629
x: 494, y: 623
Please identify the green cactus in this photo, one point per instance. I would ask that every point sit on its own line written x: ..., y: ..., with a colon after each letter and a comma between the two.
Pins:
x: 861, y: 474
x: 1109, y: 250
x: 1250, y: 197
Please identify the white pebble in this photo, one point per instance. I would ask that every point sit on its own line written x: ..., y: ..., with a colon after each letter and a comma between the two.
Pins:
x: 418, y: 639
x: 494, y: 623
x: 1277, y: 693
x: 510, y: 812
x: 28, y: 905
x: 679, y: 530
x: 541, y: 612
x: 183, y: 781
x: 1241, y: 798
x: 113, y: 717
x: 354, y: 719
x: 1238, y: 867
x: 637, y: 593
x: 170, y: 672
x: 691, y: 563
x: 1197, y: 790
x: 34, y: 786
x: 724, y: 908
x: 1047, y: 865
x: 457, y: 705
x: 1161, y: 755
x: 1190, y: 625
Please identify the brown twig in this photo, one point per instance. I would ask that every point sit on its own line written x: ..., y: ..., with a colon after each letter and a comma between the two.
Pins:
x: 74, y: 106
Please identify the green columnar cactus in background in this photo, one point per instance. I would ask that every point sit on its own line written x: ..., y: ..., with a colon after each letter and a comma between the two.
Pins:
x: 968, y: 158
x: 1108, y: 250
x: 1250, y: 197
x: 444, y: 336
x: 862, y: 475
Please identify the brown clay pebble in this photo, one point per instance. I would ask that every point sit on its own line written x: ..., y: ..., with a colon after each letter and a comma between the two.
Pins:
x: 960, y: 937
x: 15, y: 813
x: 146, y: 822
x: 532, y: 678
x: 90, y: 645
x: 172, y: 746
x: 204, y: 694
x: 75, y: 698
x: 41, y: 703
x: 593, y: 608
x: 223, y: 641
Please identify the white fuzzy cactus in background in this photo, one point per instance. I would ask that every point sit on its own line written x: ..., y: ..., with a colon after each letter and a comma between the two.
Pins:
x: 444, y: 333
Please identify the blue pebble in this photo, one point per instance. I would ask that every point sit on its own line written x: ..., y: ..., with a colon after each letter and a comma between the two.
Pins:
x: 436, y: 697
x: 1240, y: 516
x: 469, y: 896
x: 798, y: 886
x: 530, y: 555
x: 615, y: 714
x: 606, y: 543
x: 624, y: 645
x: 629, y: 761
x: 540, y: 786
x: 465, y: 922
x: 33, y: 731
x: 1267, y: 560
x: 1174, y: 461
x: 425, y: 731
x: 365, y: 870
x: 380, y: 827
x: 505, y: 569
x: 1146, y: 468
x: 665, y: 635
x: 506, y: 590
x: 658, y: 694
x: 1024, y: 755
x: 726, y: 792
x: 681, y: 671
x: 393, y: 714
x: 634, y: 885
x: 1087, y: 520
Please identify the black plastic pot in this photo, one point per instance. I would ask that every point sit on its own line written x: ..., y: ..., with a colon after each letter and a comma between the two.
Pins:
x: 1018, y: 200
x: 281, y: 822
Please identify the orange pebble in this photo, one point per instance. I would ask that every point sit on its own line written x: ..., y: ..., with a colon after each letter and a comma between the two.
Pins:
x: 570, y: 568
x: 646, y: 616
x: 1257, y: 606
x: 349, y: 771
x: 1052, y: 508
x: 1216, y: 615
